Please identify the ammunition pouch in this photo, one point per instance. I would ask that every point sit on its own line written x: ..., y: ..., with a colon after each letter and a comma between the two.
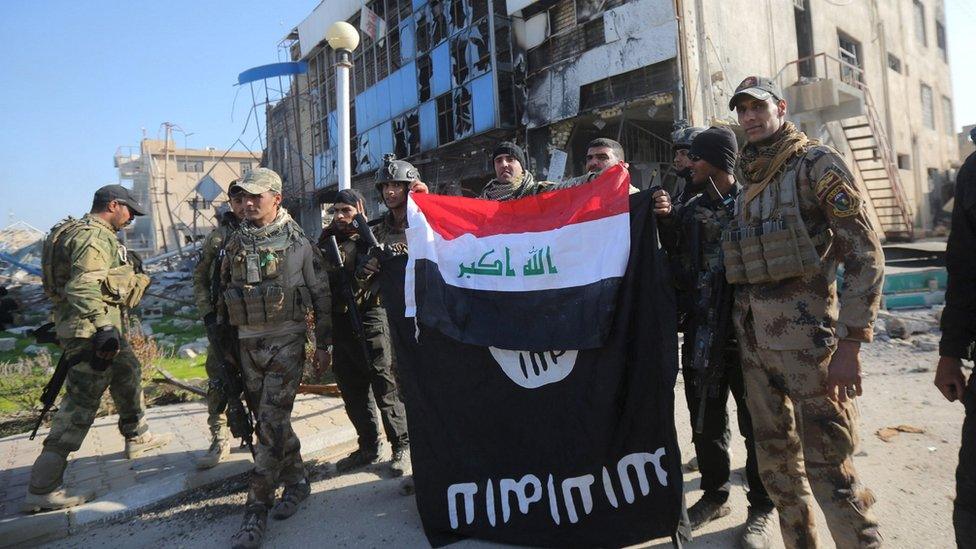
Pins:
x: 124, y: 287
x: 266, y: 304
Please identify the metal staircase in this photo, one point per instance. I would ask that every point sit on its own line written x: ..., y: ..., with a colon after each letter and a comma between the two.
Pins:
x: 865, y: 133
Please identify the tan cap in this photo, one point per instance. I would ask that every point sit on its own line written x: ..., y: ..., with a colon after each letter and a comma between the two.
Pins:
x: 258, y: 181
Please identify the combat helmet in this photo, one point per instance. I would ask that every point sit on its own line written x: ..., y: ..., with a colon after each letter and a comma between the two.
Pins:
x: 683, y: 135
x: 395, y: 170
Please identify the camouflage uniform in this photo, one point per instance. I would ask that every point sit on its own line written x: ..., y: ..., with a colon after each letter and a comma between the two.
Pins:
x: 96, y: 284
x: 273, y: 276
x: 692, y: 236
x: 526, y: 186
x: 203, y: 278
x: 788, y: 327
x: 358, y: 379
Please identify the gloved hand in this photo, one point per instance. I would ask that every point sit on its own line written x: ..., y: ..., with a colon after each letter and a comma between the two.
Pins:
x: 105, y: 346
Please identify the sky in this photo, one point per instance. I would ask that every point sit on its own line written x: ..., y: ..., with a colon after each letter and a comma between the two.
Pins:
x: 80, y: 79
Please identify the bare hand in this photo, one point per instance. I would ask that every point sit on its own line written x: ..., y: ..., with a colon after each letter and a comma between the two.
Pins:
x: 419, y: 187
x: 372, y: 266
x: 323, y: 360
x: 844, y: 371
x: 662, y: 203
x: 949, y: 378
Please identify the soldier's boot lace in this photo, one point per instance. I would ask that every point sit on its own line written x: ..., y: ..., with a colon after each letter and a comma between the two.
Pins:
x: 758, y: 532
x: 219, y: 449
x: 359, y: 458
x: 293, y: 495
x: 401, y: 464
x: 58, y: 499
x: 135, y: 447
x: 705, y: 510
x: 252, y: 529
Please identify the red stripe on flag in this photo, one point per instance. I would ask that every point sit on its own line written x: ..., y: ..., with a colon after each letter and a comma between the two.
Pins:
x: 453, y: 216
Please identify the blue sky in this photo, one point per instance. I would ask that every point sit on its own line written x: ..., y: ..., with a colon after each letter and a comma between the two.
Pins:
x: 79, y: 79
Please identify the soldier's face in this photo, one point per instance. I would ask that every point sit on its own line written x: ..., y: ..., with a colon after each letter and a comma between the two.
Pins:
x: 507, y: 168
x: 121, y: 215
x: 237, y: 206
x: 700, y: 171
x: 394, y: 194
x: 343, y: 214
x: 600, y: 158
x: 682, y: 164
x: 261, y: 209
x: 760, y: 119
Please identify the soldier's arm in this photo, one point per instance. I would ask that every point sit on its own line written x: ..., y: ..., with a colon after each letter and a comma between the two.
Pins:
x: 202, y: 280
x: 959, y: 316
x: 317, y: 280
x: 855, y: 244
x: 91, y: 258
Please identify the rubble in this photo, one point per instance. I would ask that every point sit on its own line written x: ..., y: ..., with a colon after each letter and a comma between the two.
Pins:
x: 7, y: 344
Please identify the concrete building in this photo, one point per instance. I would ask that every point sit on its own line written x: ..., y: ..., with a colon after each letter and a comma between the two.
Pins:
x: 180, y: 187
x: 446, y: 79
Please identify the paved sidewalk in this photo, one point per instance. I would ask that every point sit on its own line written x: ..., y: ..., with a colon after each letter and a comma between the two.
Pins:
x: 124, y: 486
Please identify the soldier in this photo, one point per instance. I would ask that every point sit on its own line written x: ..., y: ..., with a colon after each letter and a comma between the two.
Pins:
x: 601, y: 153
x: 799, y: 216
x: 206, y: 287
x: 273, y: 278
x: 958, y: 340
x: 681, y: 139
x: 359, y: 376
x: 512, y: 179
x: 691, y: 233
x: 92, y: 283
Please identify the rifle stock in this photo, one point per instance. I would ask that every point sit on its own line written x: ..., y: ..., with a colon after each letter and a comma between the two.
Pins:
x: 53, y: 387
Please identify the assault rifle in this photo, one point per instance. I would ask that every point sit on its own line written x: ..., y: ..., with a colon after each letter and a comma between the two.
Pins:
x: 712, y: 323
x: 230, y: 379
x: 346, y: 284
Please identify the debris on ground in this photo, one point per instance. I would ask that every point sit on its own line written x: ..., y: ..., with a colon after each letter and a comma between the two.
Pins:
x: 888, y: 433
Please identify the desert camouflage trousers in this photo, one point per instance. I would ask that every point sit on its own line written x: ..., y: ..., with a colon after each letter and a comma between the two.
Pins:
x: 272, y: 369
x: 84, y: 387
x: 804, y: 441
x: 216, y: 399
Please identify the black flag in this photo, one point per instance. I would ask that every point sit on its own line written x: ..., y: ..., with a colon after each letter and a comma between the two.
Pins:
x: 554, y: 448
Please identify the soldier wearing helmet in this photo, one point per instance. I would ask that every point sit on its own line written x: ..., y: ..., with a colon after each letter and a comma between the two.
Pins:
x: 681, y: 139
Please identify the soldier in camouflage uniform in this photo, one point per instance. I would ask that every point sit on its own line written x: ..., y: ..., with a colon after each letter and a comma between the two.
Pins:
x: 91, y: 281
x: 358, y: 376
x: 692, y: 235
x: 203, y: 288
x: 273, y: 276
x: 800, y: 216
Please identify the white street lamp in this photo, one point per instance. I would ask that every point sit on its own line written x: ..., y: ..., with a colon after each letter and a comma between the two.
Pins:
x: 343, y: 38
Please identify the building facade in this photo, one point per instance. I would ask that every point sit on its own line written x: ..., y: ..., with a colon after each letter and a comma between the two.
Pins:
x: 441, y: 81
x: 180, y: 187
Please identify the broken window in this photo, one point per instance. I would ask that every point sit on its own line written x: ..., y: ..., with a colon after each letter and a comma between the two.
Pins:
x: 479, y: 9
x: 460, y: 69
x: 382, y: 61
x: 460, y: 12
x: 407, y: 42
x: 483, y: 99
x: 424, y: 73
x: 470, y: 53
x: 406, y: 134
x: 588, y: 9
x: 850, y: 53
x: 506, y: 100
x: 437, y: 22
x: 445, y: 119
x: 423, y: 30
x: 463, y: 117
x: 503, y: 43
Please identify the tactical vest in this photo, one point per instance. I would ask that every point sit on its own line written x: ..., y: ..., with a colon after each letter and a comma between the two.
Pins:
x: 122, y: 285
x: 259, y: 291
x: 767, y: 240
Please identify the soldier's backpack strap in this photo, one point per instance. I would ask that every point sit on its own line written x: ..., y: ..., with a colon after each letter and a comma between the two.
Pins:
x: 48, y: 283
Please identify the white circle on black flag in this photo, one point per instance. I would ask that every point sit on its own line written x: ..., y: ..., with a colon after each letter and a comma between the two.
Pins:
x: 531, y: 370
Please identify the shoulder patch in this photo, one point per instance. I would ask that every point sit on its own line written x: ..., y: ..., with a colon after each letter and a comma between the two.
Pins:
x: 831, y: 178
x: 842, y: 202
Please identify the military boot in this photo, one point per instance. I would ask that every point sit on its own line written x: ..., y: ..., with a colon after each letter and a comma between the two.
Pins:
x: 359, y: 458
x: 219, y: 449
x: 401, y: 464
x: 58, y: 499
x: 252, y: 529
x: 290, y: 498
x: 758, y: 532
x: 707, y: 509
x: 135, y: 447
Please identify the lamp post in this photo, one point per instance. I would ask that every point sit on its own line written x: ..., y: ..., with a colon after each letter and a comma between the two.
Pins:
x: 343, y: 38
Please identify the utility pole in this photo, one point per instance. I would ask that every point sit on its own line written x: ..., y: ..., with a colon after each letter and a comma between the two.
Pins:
x: 166, y: 193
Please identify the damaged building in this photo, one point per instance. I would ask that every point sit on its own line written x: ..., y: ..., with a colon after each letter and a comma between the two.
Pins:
x: 439, y: 82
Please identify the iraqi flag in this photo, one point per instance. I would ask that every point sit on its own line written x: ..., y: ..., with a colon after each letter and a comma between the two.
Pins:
x: 561, y: 447
x: 537, y: 273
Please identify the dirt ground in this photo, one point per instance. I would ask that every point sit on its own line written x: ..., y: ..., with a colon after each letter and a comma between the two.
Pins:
x: 911, y: 475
